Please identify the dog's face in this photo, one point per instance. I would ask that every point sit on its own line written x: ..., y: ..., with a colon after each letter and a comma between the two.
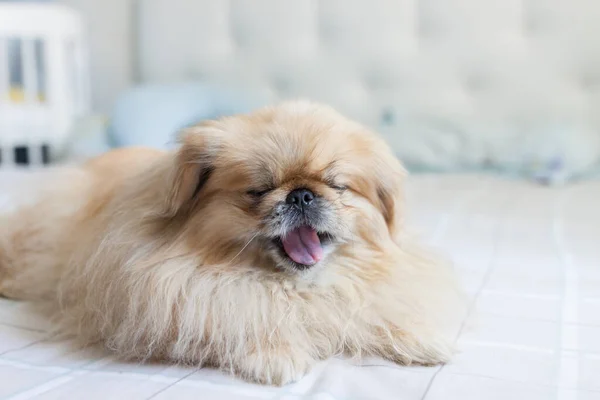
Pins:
x: 292, y: 186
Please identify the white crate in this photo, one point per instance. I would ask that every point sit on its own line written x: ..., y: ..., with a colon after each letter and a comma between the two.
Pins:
x: 44, y: 84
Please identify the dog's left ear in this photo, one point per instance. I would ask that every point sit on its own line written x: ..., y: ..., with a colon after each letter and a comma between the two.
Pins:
x: 194, y: 164
x: 390, y: 181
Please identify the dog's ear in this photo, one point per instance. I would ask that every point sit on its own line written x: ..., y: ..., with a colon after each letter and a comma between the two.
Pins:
x: 389, y: 183
x: 193, y: 166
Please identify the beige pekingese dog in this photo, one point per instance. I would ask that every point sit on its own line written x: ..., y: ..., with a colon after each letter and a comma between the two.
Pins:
x: 267, y: 242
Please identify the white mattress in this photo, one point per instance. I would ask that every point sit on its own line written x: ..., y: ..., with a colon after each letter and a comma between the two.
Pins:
x: 528, y: 256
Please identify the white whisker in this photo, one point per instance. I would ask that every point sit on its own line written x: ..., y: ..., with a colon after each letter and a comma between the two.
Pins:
x: 244, y: 248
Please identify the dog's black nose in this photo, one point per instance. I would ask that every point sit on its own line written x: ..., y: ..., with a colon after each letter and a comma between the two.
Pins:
x: 301, y: 198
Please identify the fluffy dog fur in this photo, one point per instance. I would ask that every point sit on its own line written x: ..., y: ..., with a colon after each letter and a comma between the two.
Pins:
x: 172, y: 256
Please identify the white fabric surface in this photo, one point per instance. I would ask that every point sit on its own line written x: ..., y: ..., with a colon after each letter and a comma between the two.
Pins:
x: 527, y: 255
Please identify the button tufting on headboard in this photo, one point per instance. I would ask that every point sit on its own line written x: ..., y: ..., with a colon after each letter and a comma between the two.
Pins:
x: 590, y: 81
x: 477, y: 82
x: 282, y: 86
x: 387, y: 117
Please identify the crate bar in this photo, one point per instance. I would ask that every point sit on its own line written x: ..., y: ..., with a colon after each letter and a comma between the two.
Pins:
x: 4, y: 78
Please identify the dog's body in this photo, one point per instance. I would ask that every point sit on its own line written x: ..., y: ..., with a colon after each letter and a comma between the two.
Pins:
x: 266, y: 243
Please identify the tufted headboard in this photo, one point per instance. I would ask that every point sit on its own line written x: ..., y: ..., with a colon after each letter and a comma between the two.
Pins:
x: 465, y: 57
x: 498, y: 69
x: 510, y: 72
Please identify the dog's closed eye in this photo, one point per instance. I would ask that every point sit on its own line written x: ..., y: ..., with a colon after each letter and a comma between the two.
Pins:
x: 333, y: 183
x: 257, y: 193
x: 336, y: 185
x: 339, y: 188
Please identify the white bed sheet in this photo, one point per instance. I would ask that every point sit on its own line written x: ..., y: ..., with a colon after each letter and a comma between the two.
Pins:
x: 528, y: 256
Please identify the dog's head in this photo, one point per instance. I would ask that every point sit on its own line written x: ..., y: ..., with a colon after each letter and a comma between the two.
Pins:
x: 290, y: 186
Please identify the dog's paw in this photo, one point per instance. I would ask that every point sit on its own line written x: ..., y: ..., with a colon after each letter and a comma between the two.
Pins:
x: 405, y: 350
x: 276, y: 370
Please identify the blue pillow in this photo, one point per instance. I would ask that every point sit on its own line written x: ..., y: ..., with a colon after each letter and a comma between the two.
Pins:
x: 151, y: 115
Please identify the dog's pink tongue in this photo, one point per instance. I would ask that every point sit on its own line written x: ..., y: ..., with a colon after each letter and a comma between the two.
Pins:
x: 303, y: 246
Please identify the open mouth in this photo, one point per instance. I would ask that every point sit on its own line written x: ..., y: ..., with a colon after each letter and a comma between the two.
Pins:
x: 303, y: 245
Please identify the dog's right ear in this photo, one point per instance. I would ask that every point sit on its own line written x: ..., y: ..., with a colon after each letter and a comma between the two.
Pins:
x: 193, y: 167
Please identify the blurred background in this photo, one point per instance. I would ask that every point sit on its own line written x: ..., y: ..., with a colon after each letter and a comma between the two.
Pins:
x: 510, y: 86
